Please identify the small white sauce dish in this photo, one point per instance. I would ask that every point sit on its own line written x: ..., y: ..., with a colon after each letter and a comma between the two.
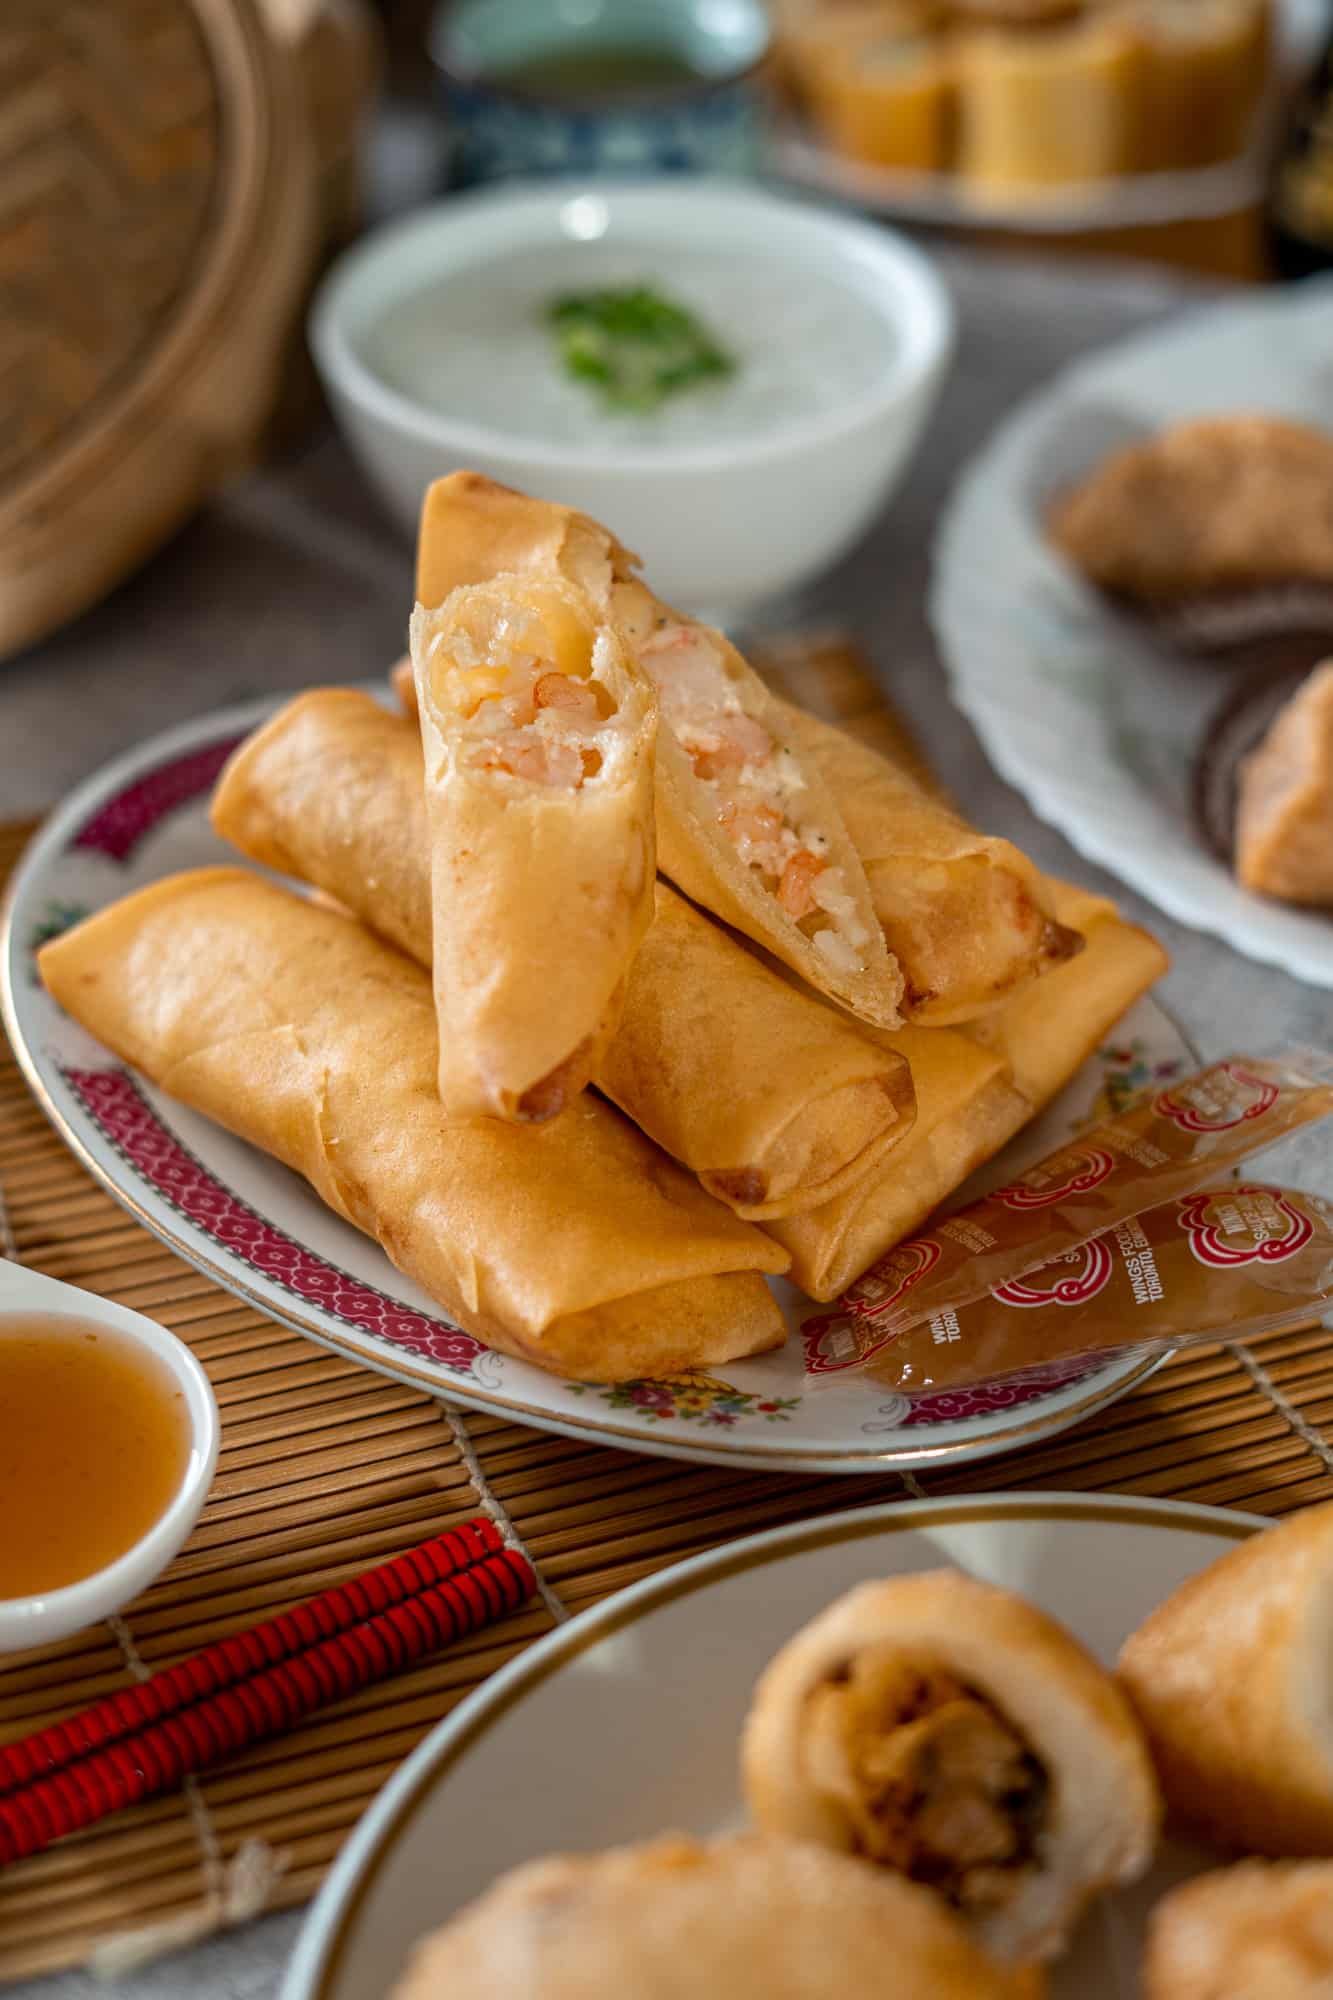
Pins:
x: 39, y: 1620
x: 723, y: 516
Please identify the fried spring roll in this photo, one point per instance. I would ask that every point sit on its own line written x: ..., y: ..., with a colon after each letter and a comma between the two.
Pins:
x: 676, y: 1919
x: 1230, y: 1677
x: 1047, y: 1033
x: 576, y: 1245
x: 775, y: 1100
x: 966, y: 1110
x: 1262, y: 1930
x: 950, y: 1732
x: 746, y: 825
x: 538, y: 733
x: 967, y: 916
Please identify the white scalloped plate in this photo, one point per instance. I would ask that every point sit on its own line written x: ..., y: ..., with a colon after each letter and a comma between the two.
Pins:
x: 624, y: 1723
x: 263, y: 1234
x: 1095, y: 725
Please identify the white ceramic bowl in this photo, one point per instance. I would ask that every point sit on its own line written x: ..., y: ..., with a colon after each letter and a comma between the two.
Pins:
x: 721, y: 524
x: 37, y: 1621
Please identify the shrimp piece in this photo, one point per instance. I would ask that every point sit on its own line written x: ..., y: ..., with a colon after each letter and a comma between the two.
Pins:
x: 538, y: 760
x: 562, y: 691
x: 796, y: 890
x: 756, y: 832
x: 733, y: 741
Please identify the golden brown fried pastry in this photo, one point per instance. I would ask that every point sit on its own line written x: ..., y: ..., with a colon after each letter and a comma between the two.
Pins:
x: 575, y: 1245
x: 1231, y: 1680
x: 1206, y: 65
x: 885, y: 97
x: 1047, y: 1032
x: 539, y: 733
x: 746, y: 827
x: 975, y: 1087
x: 678, y: 1919
x: 967, y: 916
x: 1037, y: 111
x: 1284, y: 818
x: 952, y: 1733
x: 1260, y: 1931
x: 775, y: 1115
x: 1216, y: 505
x: 966, y: 1109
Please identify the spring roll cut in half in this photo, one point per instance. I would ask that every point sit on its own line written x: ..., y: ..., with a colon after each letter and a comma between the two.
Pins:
x: 538, y: 734
x: 1231, y: 1680
x: 1262, y: 1930
x: 952, y: 1733
x: 968, y: 917
x: 746, y: 826
x: 575, y: 1245
x: 680, y: 1919
x: 776, y: 1101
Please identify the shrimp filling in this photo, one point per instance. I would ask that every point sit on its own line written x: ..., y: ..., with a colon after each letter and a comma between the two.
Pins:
x: 757, y: 787
x: 934, y: 1782
x: 522, y: 682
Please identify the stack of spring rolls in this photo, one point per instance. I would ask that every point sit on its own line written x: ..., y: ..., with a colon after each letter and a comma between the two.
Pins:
x: 626, y: 983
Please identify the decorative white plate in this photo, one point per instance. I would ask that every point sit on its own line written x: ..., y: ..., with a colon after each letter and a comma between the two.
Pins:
x: 1133, y: 201
x: 661, y: 1675
x: 260, y: 1231
x: 1097, y: 725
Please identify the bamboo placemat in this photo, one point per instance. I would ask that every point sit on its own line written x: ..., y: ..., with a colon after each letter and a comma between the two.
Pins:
x: 326, y: 1468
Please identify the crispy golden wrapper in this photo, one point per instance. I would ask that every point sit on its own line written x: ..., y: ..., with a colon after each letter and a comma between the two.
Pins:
x: 679, y: 1919
x: 576, y: 1245
x: 473, y: 530
x: 1284, y: 819
x: 1217, y: 504
x: 951, y: 1732
x: 975, y: 1088
x: 1262, y: 1930
x: 776, y: 1100
x: 968, y: 917
x: 1230, y: 1678
x: 538, y: 732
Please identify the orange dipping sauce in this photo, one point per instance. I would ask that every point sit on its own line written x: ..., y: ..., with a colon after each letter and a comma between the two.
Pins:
x: 94, y: 1444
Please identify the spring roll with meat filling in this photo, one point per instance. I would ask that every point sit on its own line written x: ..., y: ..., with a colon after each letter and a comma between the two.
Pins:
x: 953, y: 1733
x: 776, y: 1101
x: 576, y: 1245
x: 967, y: 916
x: 538, y: 733
x: 746, y: 825
x: 1231, y: 1680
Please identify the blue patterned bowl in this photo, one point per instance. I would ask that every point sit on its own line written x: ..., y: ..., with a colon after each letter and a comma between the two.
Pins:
x: 521, y: 88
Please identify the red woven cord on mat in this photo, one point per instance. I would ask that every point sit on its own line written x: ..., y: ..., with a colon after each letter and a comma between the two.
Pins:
x: 254, y: 1705
x: 245, y: 1653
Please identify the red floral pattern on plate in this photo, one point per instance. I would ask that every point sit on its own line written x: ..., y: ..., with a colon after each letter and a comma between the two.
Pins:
x: 124, y: 1117
x: 956, y: 1406
x: 117, y: 827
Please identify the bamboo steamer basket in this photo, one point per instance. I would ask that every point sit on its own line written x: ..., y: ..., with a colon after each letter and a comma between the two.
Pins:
x: 163, y: 201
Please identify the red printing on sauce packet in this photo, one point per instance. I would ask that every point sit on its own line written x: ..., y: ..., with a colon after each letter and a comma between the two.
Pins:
x: 1233, y: 1261
x: 1164, y: 1146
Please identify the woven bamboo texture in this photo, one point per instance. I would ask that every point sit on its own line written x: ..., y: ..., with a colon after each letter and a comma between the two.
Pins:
x: 326, y: 1469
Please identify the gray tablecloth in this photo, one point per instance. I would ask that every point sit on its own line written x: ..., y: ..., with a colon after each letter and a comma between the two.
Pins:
x: 296, y: 577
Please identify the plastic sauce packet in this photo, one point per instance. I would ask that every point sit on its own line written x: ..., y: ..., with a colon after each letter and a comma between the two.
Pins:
x: 1164, y: 1145
x: 1226, y: 1263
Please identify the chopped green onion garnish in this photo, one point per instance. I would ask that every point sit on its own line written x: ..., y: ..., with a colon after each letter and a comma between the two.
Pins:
x: 634, y: 346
